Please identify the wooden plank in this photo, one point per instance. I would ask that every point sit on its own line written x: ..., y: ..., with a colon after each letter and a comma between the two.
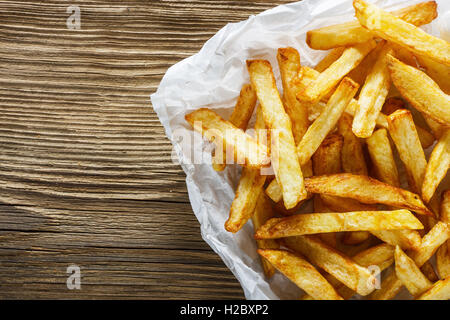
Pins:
x: 86, y: 175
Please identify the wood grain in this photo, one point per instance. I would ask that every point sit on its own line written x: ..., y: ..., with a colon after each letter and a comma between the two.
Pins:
x: 86, y: 175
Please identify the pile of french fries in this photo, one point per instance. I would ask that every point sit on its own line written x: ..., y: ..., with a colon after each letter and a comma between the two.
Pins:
x: 336, y: 138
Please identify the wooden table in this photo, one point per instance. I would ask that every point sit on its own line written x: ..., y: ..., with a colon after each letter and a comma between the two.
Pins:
x: 86, y: 176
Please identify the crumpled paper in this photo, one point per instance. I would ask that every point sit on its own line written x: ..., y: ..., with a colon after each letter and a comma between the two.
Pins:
x: 212, y: 78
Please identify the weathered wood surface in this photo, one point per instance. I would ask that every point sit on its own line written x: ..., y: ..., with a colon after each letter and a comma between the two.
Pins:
x: 86, y: 176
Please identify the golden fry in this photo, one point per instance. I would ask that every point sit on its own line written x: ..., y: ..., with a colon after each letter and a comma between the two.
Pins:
x: 331, y: 57
x: 240, y: 117
x: 284, y: 158
x: 389, y: 27
x: 409, y: 274
x: 438, y: 72
x: 405, y: 239
x: 437, y: 166
x: 313, y: 223
x: 302, y: 273
x: 382, y: 157
x: 335, y: 263
x: 372, y: 95
x: 212, y: 126
x: 366, y: 190
x: 420, y: 90
x: 330, y: 77
x: 327, y: 120
x: 263, y: 212
x: 352, y: 153
x: 350, y: 33
x: 289, y: 63
x: 439, y: 291
x: 273, y: 191
x: 403, y: 131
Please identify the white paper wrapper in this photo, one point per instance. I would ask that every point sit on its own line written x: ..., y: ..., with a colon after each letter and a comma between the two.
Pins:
x: 213, y: 78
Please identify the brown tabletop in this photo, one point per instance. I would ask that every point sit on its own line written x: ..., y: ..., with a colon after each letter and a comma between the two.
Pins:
x: 86, y: 177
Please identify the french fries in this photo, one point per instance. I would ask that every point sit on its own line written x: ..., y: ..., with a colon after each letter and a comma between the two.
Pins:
x: 366, y: 190
x: 438, y: 72
x: 439, y: 291
x: 443, y: 253
x: 372, y: 95
x: 302, y: 273
x: 314, y: 223
x: 392, y: 285
x: 249, y: 188
x: 389, y: 27
x: 350, y: 33
x: 289, y: 63
x: 263, y: 212
x: 405, y: 239
x: 240, y: 117
x: 273, y: 191
x: 338, y: 265
x: 437, y: 166
x: 393, y: 104
x: 284, y: 158
x: 329, y: 78
x: 382, y: 157
x: 315, y: 148
x: 247, y: 194
x: 403, y: 131
x: 409, y: 274
x: 212, y: 126
x: 429, y: 99
x: 327, y: 120
x: 352, y: 153
x: 331, y: 57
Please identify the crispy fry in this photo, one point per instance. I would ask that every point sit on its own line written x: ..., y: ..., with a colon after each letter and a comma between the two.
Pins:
x: 403, y: 131
x: 405, y: 239
x: 429, y: 99
x: 428, y: 271
x: 389, y: 27
x: 440, y: 73
x: 329, y: 78
x: 302, y: 273
x: 439, y: 291
x: 443, y: 260
x: 273, y: 191
x: 393, y: 104
x: 327, y: 120
x: 359, y: 74
x: 263, y: 212
x: 247, y: 194
x: 372, y: 95
x: 352, y: 154
x: 443, y: 254
x: 340, y: 204
x: 240, y: 117
x: 284, y: 159
x: 289, y: 63
x: 366, y: 190
x: 381, y: 255
x: 383, y: 158
x: 335, y: 263
x: 350, y: 33
x: 330, y: 237
x: 327, y: 158
x: 249, y: 188
x: 409, y: 274
x: 437, y: 166
x: 211, y: 125
x: 313, y: 223
x: 331, y: 57
x: 430, y: 243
